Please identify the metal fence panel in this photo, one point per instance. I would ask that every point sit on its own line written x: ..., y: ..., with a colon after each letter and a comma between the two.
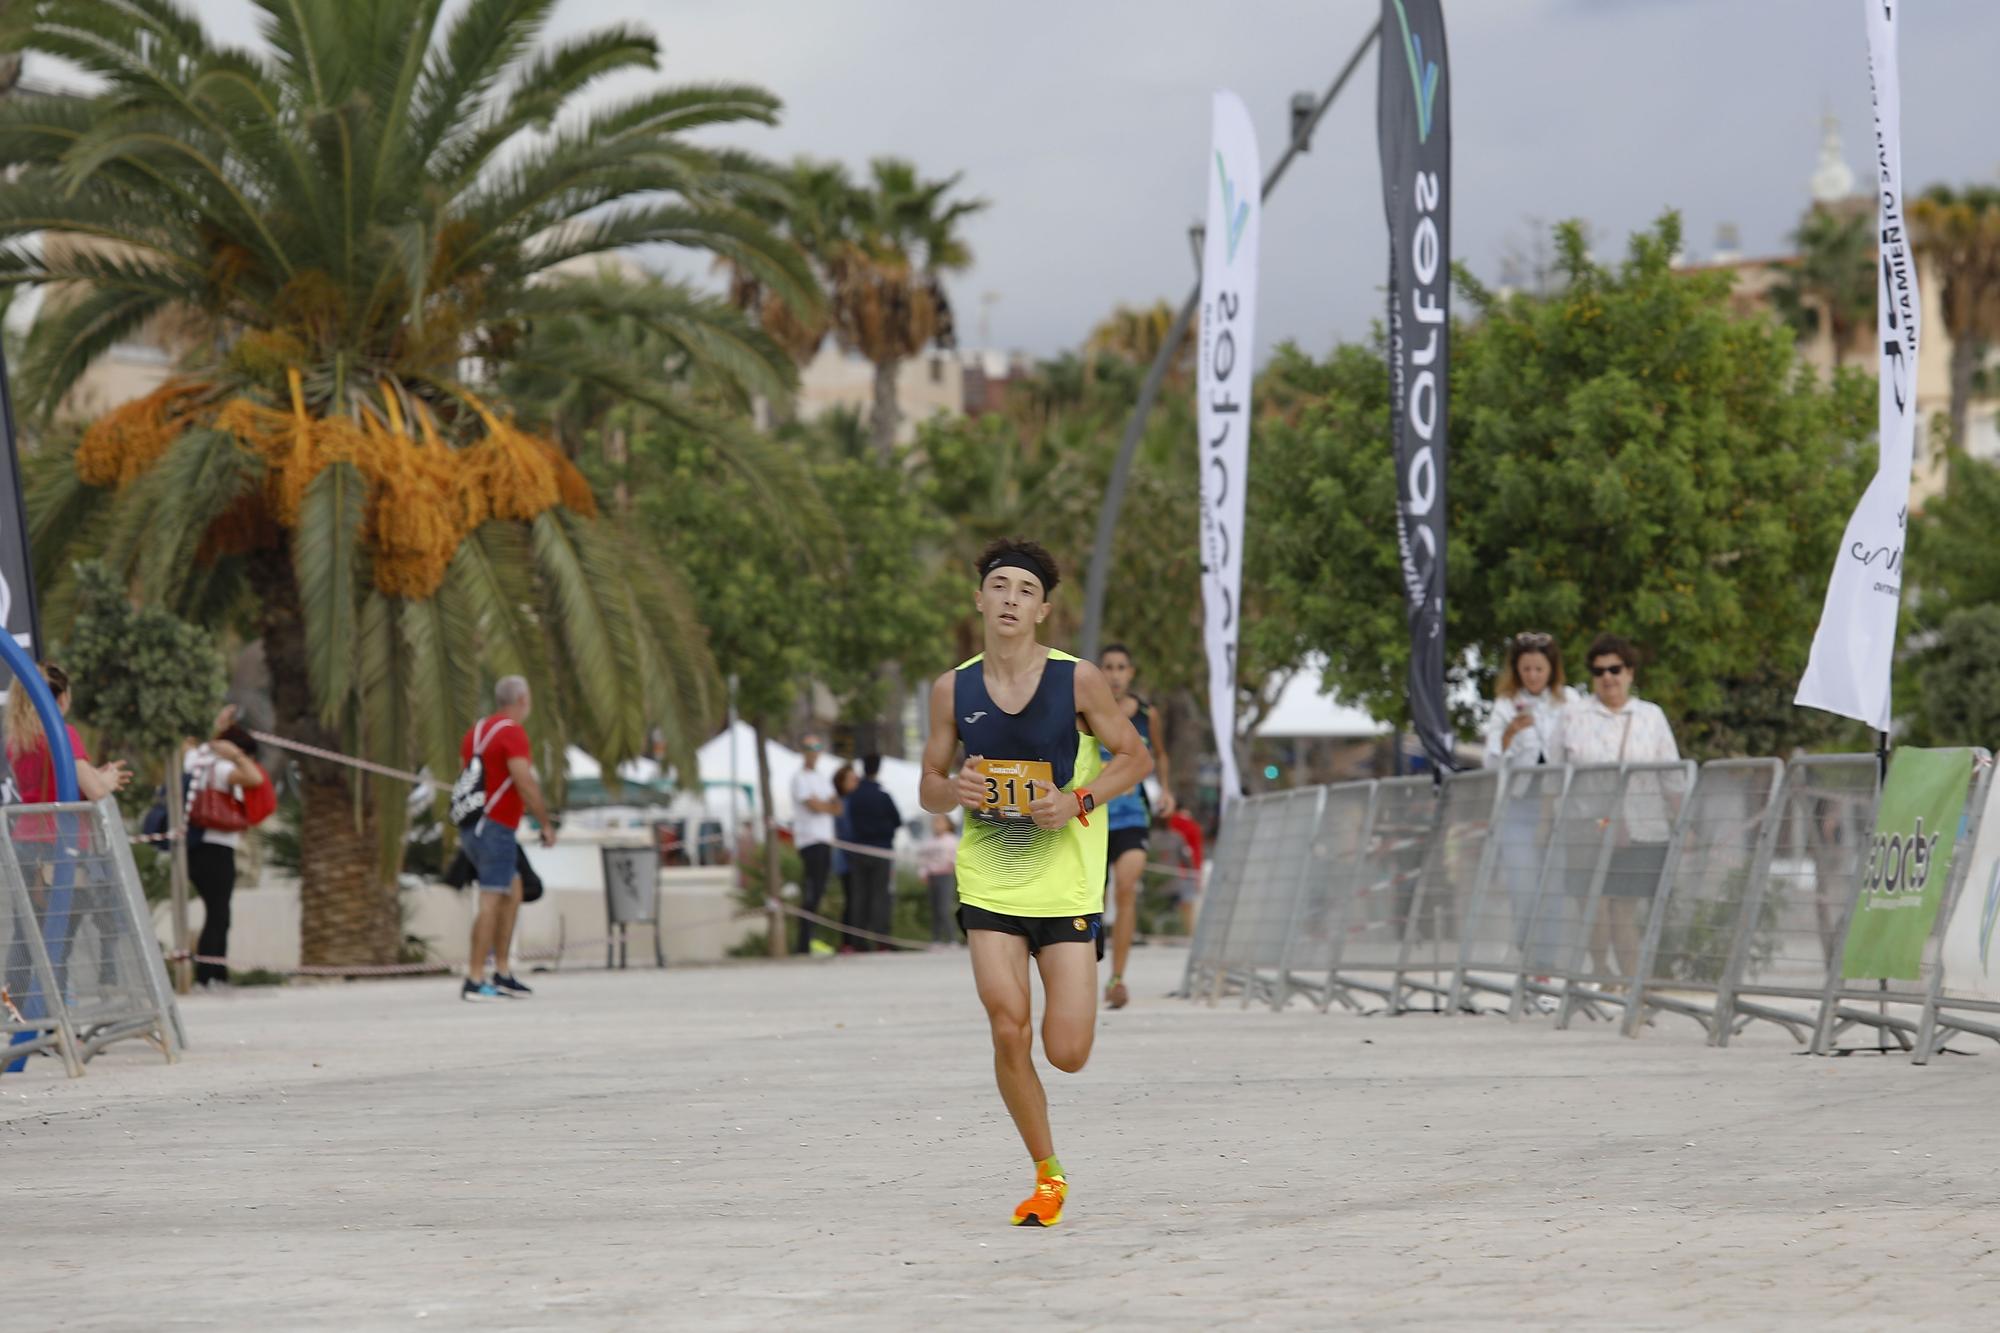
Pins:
x: 1500, y: 942
x: 1455, y: 866
x: 1789, y: 934
x: 69, y: 867
x: 1312, y: 944
x: 1609, y: 847
x: 1225, y: 882
x: 1724, y: 838
x: 1385, y: 888
x: 1946, y: 1013
x: 1273, y: 859
x: 1281, y: 865
x: 1841, y: 996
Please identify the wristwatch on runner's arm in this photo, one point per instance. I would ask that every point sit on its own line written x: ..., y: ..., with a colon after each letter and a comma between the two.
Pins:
x: 1085, y: 803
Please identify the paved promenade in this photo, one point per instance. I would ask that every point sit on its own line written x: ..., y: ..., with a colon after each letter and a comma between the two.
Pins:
x: 819, y: 1146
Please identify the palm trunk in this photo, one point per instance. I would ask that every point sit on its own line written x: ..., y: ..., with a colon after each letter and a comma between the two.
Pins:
x: 1965, y: 357
x: 883, y: 419
x: 347, y: 914
x: 776, y: 928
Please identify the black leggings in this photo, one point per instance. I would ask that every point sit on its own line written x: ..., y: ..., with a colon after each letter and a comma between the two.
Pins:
x: 213, y: 870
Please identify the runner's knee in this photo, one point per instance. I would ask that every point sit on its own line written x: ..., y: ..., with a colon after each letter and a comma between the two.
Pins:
x: 1013, y: 1034
x: 1066, y: 1052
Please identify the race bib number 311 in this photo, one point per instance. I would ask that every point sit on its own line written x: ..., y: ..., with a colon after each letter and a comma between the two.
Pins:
x: 1012, y: 784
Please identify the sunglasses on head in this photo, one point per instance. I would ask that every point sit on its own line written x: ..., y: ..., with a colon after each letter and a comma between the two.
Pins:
x: 1615, y: 669
x: 1533, y: 639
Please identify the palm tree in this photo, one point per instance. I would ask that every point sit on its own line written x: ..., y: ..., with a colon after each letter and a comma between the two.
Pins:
x: 886, y: 282
x: 355, y: 229
x: 1136, y: 335
x: 1831, y: 285
x: 1960, y: 230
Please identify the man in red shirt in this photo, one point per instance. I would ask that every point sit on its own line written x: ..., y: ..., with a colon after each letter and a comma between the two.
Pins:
x: 1182, y: 822
x: 490, y: 842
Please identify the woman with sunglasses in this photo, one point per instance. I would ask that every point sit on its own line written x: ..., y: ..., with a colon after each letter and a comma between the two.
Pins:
x: 1612, y: 725
x: 1525, y: 730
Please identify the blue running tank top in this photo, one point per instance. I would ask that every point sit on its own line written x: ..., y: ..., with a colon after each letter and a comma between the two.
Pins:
x: 1131, y: 809
x: 1013, y: 866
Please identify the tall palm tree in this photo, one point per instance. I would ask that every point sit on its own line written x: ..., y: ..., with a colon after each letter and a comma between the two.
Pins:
x: 886, y: 281
x: 1830, y: 287
x: 354, y: 229
x: 1960, y: 230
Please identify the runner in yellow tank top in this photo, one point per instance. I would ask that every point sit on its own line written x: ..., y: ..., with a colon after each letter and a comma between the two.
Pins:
x: 1031, y: 864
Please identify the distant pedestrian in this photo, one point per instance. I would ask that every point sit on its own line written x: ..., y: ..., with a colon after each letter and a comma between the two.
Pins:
x: 1525, y: 731
x: 1188, y: 855
x: 507, y: 788
x: 814, y: 806
x: 937, y: 861
x: 1612, y: 725
x: 875, y: 818
x: 845, y: 780
x: 225, y: 762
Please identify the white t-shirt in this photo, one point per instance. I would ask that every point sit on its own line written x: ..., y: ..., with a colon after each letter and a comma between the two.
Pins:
x: 211, y: 771
x: 809, y: 827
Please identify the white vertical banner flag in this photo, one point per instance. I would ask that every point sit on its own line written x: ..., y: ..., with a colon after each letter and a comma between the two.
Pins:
x: 1851, y: 652
x: 1228, y: 316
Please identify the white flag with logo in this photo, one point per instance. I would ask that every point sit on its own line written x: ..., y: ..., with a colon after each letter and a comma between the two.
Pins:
x: 1849, y: 670
x: 1228, y: 316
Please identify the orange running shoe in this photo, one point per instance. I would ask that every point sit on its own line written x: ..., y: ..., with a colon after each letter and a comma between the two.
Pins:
x: 1043, y: 1208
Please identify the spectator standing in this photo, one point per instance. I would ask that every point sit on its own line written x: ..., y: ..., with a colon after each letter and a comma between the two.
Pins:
x: 34, y: 773
x: 1612, y: 725
x: 937, y: 861
x: 224, y: 762
x: 875, y: 817
x: 500, y: 744
x: 844, y: 783
x: 1525, y: 731
x: 35, y: 767
x: 1188, y: 882
x: 814, y: 807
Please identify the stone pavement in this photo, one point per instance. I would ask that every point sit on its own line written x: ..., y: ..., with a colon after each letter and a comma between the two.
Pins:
x: 818, y: 1145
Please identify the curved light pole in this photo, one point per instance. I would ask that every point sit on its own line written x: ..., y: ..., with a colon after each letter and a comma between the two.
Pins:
x: 1303, y: 126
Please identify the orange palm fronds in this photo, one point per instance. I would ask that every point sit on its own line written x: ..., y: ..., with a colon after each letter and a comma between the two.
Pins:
x: 124, y: 443
x: 424, y: 496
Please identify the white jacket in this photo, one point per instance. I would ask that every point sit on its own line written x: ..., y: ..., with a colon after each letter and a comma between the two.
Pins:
x: 1540, y: 743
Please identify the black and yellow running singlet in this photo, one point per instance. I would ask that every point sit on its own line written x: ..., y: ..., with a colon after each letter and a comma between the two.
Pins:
x: 1011, y: 865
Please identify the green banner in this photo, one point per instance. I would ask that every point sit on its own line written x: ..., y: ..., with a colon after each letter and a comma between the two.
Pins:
x: 1909, y: 863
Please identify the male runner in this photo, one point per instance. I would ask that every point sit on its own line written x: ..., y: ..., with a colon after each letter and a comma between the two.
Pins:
x: 1129, y: 817
x: 1031, y: 861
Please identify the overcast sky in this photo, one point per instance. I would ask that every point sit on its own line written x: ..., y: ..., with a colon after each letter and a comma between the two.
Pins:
x: 1085, y: 122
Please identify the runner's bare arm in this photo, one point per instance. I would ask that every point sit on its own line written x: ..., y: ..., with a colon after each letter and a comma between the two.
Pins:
x: 939, y: 791
x: 1131, y: 761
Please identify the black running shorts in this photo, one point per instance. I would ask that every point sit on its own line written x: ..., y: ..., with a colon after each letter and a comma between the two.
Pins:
x: 1123, y: 840
x: 1036, y: 930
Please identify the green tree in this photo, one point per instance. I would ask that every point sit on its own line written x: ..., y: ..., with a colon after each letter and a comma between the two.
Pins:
x: 153, y: 679
x: 352, y: 228
x: 751, y: 574
x: 1958, y: 675
x: 1626, y: 454
x: 886, y: 610
x: 1831, y: 284
x: 1960, y: 232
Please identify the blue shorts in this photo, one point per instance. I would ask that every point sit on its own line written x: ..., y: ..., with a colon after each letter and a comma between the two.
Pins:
x: 495, y: 855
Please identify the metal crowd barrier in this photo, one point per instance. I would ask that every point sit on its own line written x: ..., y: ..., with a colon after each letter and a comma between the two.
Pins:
x: 1946, y: 1013
x: 1718, y: 893
x: 83, y: 969
x: 1842, y: 997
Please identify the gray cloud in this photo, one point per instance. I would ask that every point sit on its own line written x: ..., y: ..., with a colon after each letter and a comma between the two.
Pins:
x: 1086, y: 124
